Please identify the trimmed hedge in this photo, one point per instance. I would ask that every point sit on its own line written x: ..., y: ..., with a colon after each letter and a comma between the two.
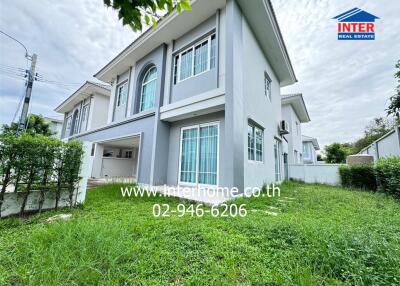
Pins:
x: 388, y: 175
x: 384, y: 176
x: 358, y: 176
x: 39, y: 163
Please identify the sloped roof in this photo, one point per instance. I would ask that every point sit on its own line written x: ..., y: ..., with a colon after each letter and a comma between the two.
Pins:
x: 85, y: 90
x: 297, y: 102
x: 259, y: 14
x: 356, y: 15
x: 313, y: 140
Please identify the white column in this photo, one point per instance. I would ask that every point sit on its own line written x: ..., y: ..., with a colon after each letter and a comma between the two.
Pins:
x: 97, y: 161
x: 84, y: 173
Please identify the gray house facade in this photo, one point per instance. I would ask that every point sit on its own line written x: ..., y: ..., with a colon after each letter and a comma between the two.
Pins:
x: 197, y: 101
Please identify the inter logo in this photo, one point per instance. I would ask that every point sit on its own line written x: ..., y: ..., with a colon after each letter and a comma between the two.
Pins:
x: 356, y: 24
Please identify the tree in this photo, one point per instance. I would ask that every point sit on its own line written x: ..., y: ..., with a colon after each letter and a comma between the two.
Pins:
x: 376, y: 129
x: 37, y: 124
x: 136, y: 13
x: 337, y: 152
x: 394, y: 106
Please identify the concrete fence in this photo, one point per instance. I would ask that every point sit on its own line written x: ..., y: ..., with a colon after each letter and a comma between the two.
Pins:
x: 13, y: 201
x: 316, y: 173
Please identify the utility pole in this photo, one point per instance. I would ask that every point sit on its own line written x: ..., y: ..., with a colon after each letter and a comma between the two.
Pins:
x: 25, y: 107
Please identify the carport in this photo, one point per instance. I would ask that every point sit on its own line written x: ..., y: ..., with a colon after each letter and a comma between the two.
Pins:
x: 116, y: 158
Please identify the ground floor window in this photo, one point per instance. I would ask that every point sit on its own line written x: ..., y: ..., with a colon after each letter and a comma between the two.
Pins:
x: 277, y: 155
x: 255, y: 143
x: 199, y: 154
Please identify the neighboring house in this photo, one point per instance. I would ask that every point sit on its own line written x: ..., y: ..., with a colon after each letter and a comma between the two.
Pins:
x: 85, y: 110
x: 294, y: 112
x: 310, y: 146
x: 196, y: 100
x: 55, y: 126
x: 386, y: 146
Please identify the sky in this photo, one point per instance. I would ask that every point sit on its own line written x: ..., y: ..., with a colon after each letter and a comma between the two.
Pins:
x: 345, y: 84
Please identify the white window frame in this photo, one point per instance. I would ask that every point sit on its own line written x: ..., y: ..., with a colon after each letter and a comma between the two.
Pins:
x: 192, y: 48
x: 198, y: 126
x: 84, y: 117
x: 144, y: 83
x: 118, y: 98
x: 255, y: 126
x: 68, y: 121
x: 267, y: 86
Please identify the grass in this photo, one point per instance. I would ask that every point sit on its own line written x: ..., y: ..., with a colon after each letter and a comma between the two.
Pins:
x: 327, y: 236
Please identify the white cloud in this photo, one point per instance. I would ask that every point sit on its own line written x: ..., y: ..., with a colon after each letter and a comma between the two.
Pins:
x: 73, y: 40
x: 345, y: 83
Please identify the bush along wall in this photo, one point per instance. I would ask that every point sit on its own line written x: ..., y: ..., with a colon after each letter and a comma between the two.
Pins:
x: 38, y: 164
x: 358, y: 176
x: 388, y: 175
x: 384, y: 176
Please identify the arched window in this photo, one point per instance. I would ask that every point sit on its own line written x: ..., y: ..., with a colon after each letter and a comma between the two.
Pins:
x: 148, y: 90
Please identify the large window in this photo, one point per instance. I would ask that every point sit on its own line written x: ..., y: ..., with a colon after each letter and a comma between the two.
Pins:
x: 255, y: 143
x: 85, y: 111
x: 68, y: 126
x: 199, y: 154
x: 122, y: 93
x: 277, y: 155
x: 195, y: 60
x: 148, y: 91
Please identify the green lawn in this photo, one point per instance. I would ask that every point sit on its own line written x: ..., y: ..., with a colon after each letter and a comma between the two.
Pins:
x: 327, y: 236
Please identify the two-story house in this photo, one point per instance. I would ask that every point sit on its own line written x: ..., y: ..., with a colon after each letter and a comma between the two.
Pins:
x: 294, y: 113
x: 56, y: 126
x: 198, y: 99
x: 85, y: 109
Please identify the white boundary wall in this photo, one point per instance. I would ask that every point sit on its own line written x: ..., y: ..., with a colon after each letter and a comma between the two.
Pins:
x: 13, y: 201
x: 315, y: 173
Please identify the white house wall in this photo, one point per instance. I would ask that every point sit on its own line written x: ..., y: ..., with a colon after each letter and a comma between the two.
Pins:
x: 294, y: 138
x: 100, y: 111
x: 259, y: 108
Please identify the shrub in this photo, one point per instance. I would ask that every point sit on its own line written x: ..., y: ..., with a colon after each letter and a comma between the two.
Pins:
x: 38, y: 163
x: 345, y: 176
x: 358, y: 176
x: 388, y: 175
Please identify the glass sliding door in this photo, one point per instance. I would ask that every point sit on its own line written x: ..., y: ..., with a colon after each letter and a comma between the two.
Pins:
x: 208, y: 155
x: 199, y: 155
x: 189, y: 140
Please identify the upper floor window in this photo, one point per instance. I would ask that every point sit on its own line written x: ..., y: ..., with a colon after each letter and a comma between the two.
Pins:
x: 122, y: 93
x: 267, y: 86
x: 195, y: 60
x: 255, y: 143
x: 148, y: 90
x: 84, y: 112
x: 297, y: 128
x: 68, y: 126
